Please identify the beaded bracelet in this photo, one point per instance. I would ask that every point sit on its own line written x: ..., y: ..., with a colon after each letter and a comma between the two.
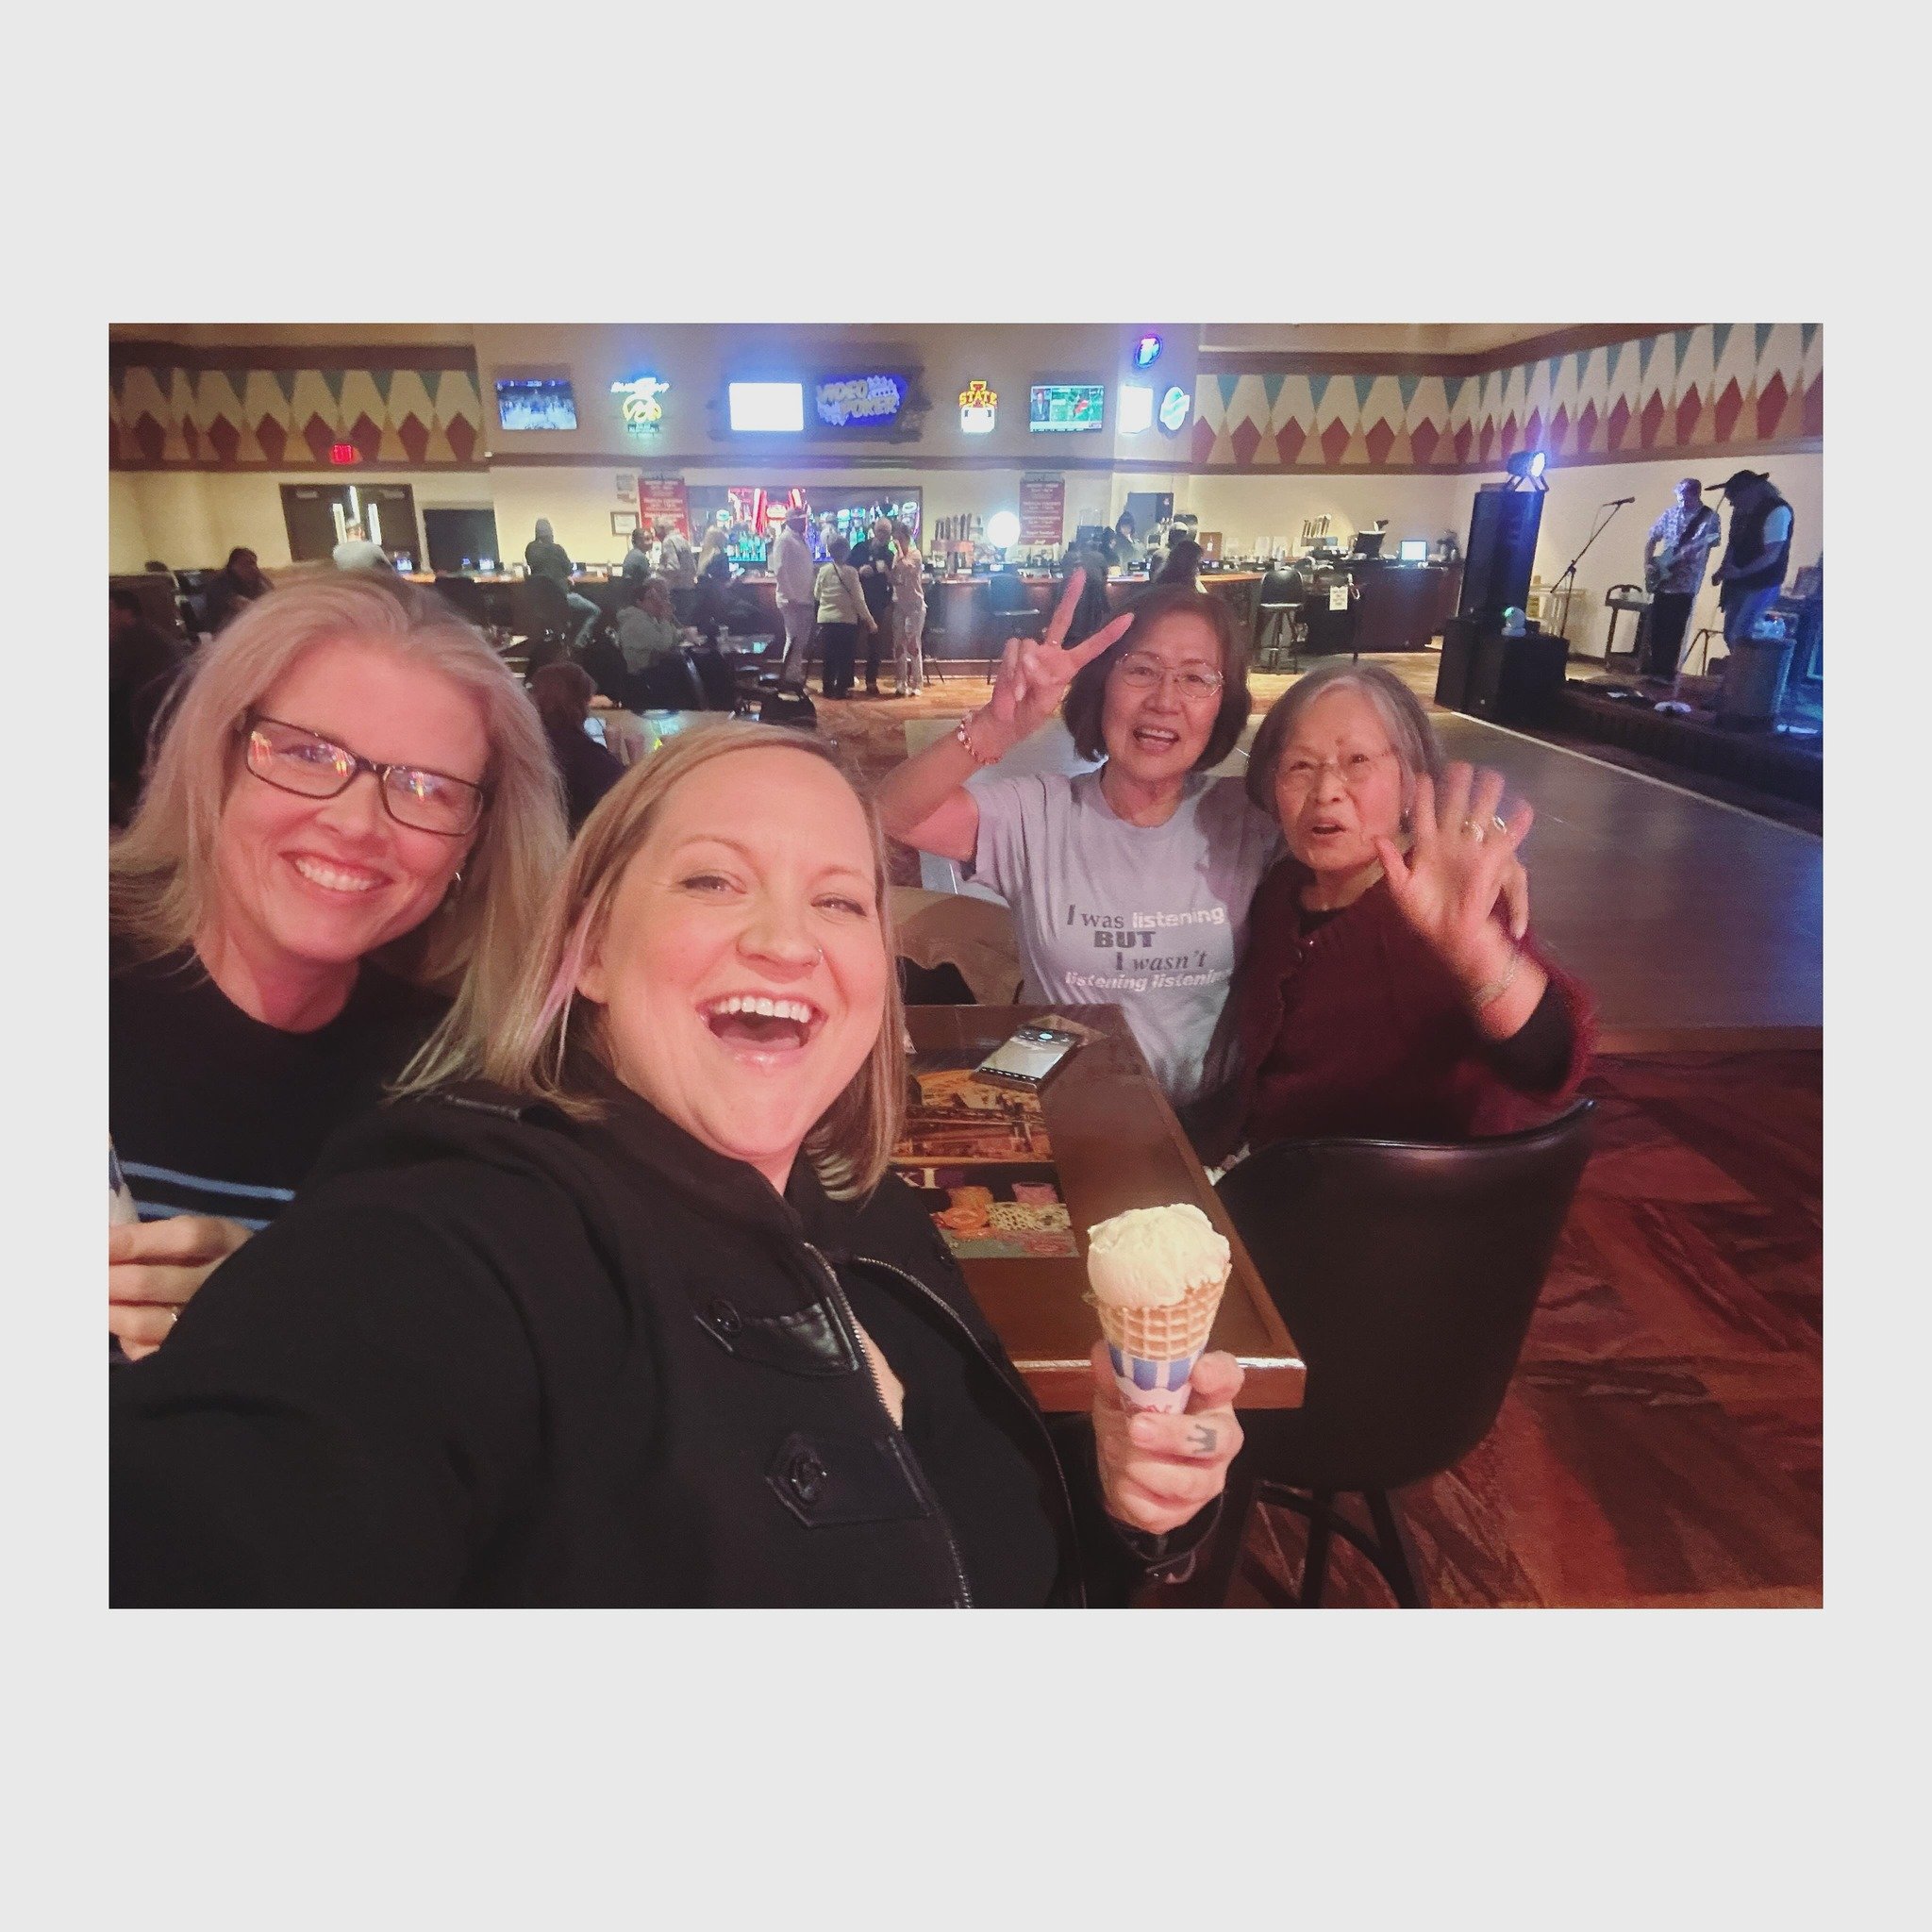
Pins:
x: 1485, y: 995
x: 959, y: 732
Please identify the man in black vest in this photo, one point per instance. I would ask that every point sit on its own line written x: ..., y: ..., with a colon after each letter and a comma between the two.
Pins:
x: 1752, y: 570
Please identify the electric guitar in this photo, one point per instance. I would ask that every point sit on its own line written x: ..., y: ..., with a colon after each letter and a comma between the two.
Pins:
x: 1665, y: 560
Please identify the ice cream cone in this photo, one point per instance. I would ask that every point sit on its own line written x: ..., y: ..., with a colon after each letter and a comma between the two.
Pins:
x: 1154, y: 1350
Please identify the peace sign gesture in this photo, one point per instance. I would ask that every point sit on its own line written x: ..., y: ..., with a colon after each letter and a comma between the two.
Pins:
x: 1033, y: 676
x: 1461, y: 861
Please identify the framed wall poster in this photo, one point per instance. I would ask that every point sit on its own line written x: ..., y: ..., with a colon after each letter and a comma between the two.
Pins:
x: 663, y: 497
x: 622, y: 521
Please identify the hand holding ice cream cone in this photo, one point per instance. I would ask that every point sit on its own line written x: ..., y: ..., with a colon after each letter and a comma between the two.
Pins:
x: 1157, y: 1276
x: 1158, y: 1472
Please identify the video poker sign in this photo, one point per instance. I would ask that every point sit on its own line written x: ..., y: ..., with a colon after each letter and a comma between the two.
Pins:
x: 864, y: 402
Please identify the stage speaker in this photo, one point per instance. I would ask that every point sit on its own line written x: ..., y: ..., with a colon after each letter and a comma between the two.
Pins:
x: 1513, y: 680
x: 1452, y: 675
x: 1500, y: 554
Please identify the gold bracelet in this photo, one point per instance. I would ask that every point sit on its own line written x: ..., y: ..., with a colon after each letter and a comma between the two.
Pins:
x: 1485, y: 995
x: 959, y: 732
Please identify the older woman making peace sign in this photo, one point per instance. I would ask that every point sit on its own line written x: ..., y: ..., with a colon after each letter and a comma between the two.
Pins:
x: 1129, y: 884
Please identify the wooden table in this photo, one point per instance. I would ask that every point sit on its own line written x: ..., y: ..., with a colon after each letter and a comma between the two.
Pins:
x: 1117, y: 1145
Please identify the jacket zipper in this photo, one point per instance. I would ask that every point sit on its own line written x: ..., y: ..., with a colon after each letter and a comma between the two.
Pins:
x: 964, y: 1597
x: 1000, y: 1375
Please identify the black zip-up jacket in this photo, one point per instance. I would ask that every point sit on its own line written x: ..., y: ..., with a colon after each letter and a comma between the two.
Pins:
x: 493, y: 1356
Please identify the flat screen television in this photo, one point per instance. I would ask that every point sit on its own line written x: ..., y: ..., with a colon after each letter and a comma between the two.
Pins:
x: 1066, y: 404
x: 767, y: 406
x: 1415, y: 550
x: 539, y: 403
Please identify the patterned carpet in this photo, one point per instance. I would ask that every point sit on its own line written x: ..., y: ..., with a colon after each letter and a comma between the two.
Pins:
x: 1661, y: 1442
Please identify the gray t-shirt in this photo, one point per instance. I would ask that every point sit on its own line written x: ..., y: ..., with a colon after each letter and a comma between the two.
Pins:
x: 1148, y: 918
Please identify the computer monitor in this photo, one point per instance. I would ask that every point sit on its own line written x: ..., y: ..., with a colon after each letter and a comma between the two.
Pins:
x: 1415, y: 550
x: 1368, y: 544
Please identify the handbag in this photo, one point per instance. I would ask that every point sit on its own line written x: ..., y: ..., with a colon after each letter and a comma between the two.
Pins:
x: 791, y: 708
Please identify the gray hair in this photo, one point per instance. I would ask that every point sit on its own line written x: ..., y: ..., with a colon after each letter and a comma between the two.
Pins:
x: 1398, y: 708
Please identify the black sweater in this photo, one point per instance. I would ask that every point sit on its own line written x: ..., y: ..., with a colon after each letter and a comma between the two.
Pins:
x: 496, y: 1357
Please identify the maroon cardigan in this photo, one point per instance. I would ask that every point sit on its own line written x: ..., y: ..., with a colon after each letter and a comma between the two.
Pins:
x: 1359, y: 1028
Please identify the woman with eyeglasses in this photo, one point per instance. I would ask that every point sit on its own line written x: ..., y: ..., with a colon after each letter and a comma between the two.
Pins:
x: 1385, y: 990
x: 352, y: 818
x: 1129, y: 884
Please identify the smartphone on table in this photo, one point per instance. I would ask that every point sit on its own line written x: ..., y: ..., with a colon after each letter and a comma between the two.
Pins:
x: 1028, y: 1057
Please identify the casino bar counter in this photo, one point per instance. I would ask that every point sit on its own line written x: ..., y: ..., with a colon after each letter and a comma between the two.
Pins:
x: 1392, y: 607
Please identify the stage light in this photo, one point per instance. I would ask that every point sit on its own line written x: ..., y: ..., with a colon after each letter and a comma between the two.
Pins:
x: 1527, y: 466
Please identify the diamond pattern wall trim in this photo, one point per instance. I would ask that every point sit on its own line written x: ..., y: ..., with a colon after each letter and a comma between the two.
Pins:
x: 287, y: 419
x: 1694, y: 389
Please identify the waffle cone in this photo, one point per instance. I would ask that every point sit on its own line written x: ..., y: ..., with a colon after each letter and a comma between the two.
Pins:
x: 1168, y: 1334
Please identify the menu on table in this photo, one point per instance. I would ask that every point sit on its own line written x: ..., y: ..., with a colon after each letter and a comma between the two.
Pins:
x: 981, y: 1159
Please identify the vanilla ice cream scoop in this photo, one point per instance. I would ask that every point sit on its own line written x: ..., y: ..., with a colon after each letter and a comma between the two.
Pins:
x: 1151, y: 1257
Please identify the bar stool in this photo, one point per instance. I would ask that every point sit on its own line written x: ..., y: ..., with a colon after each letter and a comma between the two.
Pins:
x: 1278, y: 608
x: 1012, y: 609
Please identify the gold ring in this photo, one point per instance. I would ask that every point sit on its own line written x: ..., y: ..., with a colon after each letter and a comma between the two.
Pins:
x: 1475, y: 830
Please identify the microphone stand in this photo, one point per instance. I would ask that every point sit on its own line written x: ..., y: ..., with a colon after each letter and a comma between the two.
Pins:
x: 1570, y: 569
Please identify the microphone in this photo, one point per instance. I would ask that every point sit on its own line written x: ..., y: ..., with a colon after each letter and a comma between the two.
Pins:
x: 1618, y: 503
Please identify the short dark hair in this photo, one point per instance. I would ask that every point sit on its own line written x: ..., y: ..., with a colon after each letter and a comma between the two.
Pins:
x: 125, y: 600
x: 1086, y: 696
x: 562, y: 695
x: 837, y: 550
x: 1183, y: 564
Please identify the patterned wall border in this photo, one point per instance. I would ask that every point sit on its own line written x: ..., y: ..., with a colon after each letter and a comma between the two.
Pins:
x: 1715, y: 386
x: 165, y: 417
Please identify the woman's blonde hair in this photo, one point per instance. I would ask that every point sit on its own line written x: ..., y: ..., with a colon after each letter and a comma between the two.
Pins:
x: 161, y: 870
x: 531, y: 1045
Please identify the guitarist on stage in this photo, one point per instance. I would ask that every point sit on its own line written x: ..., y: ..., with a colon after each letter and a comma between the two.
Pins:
x: 1673, y: 557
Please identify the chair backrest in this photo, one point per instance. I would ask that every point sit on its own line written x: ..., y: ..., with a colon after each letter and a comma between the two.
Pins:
x: 1407, y: 1273
x: 465, y: 596
x: 1281, y: 587
x: 1004, y: 591
x: 538, y: 605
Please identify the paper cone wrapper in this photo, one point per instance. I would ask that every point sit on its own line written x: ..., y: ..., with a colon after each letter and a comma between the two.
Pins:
x: 1154, y: 1350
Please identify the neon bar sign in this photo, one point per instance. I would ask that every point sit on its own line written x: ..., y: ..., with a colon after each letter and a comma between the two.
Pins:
x: 977, y: 405
x: 643, y: 414
x: 864, y: 399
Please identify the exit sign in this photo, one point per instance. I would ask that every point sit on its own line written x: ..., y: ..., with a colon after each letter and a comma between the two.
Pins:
x: 339, y: 453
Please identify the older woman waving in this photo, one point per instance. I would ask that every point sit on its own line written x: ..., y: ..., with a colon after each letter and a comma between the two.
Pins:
x: 1383, y: 991
x: 639, y: 1316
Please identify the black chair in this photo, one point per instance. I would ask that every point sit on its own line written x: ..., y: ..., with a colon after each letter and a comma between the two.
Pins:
x: 669, y: 684
x: 541, y: 617
x: 608, y: 671
x: 1012, y: 612
x: 1278, y: 610
x: 1407, y: 1273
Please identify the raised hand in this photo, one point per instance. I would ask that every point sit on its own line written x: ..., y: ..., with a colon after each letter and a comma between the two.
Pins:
x: 1158, y: 1471
x: 1463, y: 860
x: 1033, y: 676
